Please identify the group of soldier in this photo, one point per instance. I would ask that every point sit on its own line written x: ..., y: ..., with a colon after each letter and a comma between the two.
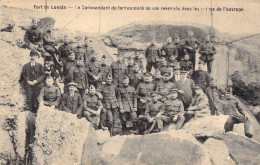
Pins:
x: 124, y: 97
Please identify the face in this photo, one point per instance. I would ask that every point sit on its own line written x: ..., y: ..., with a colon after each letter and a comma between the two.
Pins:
x: 166, y: 77
x: 92, y: 91
x: 207, y: 38
x: 78, y: 43
x: 72, y: 89
x: 49, y: 82
x: 34, y: 24
x: 177, y: 40
x: 80, y: 62
x: 147, y: 78
x: 119, y: 57
x: 173, y: 95
x: 47, y: 63
x: 72, y: 56
x: 169, y: 40
x: 183, y: 76
x: 86, y: 42
x: 163, y: 62
x: 33, y: 58
x: 130, y: 61
x: 125, y: 82
x: 158, y: 74
x: 228, y: 95
x: 154, y: 98
x: 66, y: 40
x: 153, y: 42
x: 172, y: 58
x: 104, y: 60
x: 186, y: 57
x: 109, y: 81
x: 49, y: 27
x: 190, y: 34
x: 137, y: 55
x: 136, y: 68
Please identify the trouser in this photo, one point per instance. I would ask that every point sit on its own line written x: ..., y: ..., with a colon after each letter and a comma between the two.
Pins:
x: 128, y: 120
x: 156, y: 124
x: 30, y: 132
x: 36, y: 48
x: 112, y: 120
x: 169, y: 119
x: 229, y: 125
x: 192, y: 59
x: 33, y: 92
x: 92, y: 118
x: 150, y: 65
x: 209, y: 65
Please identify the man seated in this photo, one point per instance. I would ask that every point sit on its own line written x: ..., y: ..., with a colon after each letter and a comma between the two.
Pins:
x: 71, y: 101
x: 92, y: 106
x: 199, y: 106
x: 173, y: 110
x: 50, y: 94
x: 152, y: 114
x: 236, y: 111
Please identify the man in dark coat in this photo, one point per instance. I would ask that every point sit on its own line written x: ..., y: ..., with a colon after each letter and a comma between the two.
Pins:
x: 119, y: 70
x: 104, y: 71
x: 32, y: 78
x: 68, y: 64
x: 71, y: 101
x: 169, y: 49
x: 186, y: 64
x: 65, y: 50
x: 152, y: 54
x: 80, y: 52
x: 88, y: 49
x: 200, y: 76
x: 135, y: 77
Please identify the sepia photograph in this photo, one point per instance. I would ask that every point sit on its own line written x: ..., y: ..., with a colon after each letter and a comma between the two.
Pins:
x: 116, y: 82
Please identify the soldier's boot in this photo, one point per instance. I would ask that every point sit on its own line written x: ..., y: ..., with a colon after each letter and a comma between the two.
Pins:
x: 247, y: 129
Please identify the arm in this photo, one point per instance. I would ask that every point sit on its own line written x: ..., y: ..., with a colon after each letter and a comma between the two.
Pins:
x: 119, y: 100
x: 147, y: 113
x: 202, y: 104
x: 146, y: 52
x: 135, y: 101
x: 71, y: 74
x: 181, y: 108
x: 42, y: 75
x: 39, y: 39
x: 46, y: 39
x: 26, y: 37
x: 63, y: 104
x: 58, y: 94
x: 240, y: 107
x: 214, y: 51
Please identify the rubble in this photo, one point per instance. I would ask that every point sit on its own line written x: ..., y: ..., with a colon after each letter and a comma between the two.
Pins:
x: 102, y: 136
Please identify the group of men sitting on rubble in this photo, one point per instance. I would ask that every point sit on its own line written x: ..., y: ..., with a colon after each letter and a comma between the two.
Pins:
x: 125, y: 97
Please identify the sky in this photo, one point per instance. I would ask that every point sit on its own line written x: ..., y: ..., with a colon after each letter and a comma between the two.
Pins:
x: 246, y: 21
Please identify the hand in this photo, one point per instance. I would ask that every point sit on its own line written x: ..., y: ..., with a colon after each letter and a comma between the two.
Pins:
x: 30, y: 82
x: 99, y: 95
x: 142, y: 100
x: 175, y: 118
x: 151, y: 120
x: 122, y: 111
x: 35, y: 82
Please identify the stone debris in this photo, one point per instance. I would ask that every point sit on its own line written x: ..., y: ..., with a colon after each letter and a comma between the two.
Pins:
x: 102, y: 136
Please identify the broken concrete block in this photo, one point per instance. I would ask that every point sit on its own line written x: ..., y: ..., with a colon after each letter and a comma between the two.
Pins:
x: 243, y: 150
x: 62, y: 138
x: 174, y: 147
x: 218, y: 151
x: 102, y: 136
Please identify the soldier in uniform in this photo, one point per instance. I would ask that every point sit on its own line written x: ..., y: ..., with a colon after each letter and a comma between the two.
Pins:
x: 92, y: 106
x: 191, y: 45
x: 236, y: 111
x: 79, y: 51
x: 169, y: 49
x: 93, y: 70
x: 50, y: 94
x: 105, y: 70
x: 186, y: 87
x: 130, y: 64
x: 119, y: 70
x: 207, y: 51
x: 163, y: 67
x: 138, y: 60
x: 173, y: 110
x: 65, y: 50
x: 199, y: 106
x: 110, y: 104
x: 152, y: 54
x: 153, y: 114
x: 142, y: 92
x: 179, y: 46
x: 88, y: 49
x: 135, y: 77
x: 186, y: 64
x: 71, y: 101
x: 33, y: 38
x: 200, y: 76
x: 79, y: 75
x: 164, y: 86
x: 68, y: 64
x: 127, y: 100
x: 172, y: 63
x: 32, y: 80
x: 176, y: 74
x: 157, y: 77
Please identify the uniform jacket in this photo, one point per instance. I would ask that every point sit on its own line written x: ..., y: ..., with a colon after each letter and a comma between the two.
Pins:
x: 135, y: 79
x: 64, y: 51
x: 142, y: 91
x: 109, y: 93
x: 201, y: 103
x: 152, y: 53
x: 88, y: 50
x: 127, y: 98
x: 79, y: 51
x: 48, y: 36
x: 170, y: 49
x: 72, y: 104
x: 32, y: 73
x: 233, y: 107
x: 33, y: 36
x: 139, y: 61
x: 164, y: 87
x: 201, y: 77
x: 187, y: 87
x: 78, y: 74
x: 153, y: 109
x: 172, y: 108
x: 119, y: 70
x: 104, y: 70
x: 172, y: 64
x: 193, y: 43
x: 207, y: 51
x: 92, y: 102
x: 50, y: 96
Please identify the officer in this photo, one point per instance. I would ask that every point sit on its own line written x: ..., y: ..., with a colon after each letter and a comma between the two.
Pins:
x: 142, y: 92
x: 186, y: 64
x: 93, y: 70
x: 110, y: 104
x: 104, y: 71
x: 152, y: 54
x: 119, y: 70
x: 199, y: 106
x: 139, y: 61
x: 68, y: 64
x: 32, y: 80
x: 88, y: 49
x: 200, y: 76
x: 191, y: 44
x: 169, y: 49
x: 65, y: 50
x: 236, y: 111
x: 153, y: 114
x: 50, y: 94
x: 79, y: 51
x: 173, y: 110
x: 207, y: 51
x: 71, y: 101
x: 33, y: 38
x: 92, y: 106
x: 136, y: 77
x: 78, y: 74
x: 164, y: 87
x: 127, y: 100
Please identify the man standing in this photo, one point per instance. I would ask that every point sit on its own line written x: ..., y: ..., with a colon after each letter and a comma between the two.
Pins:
x: 32, y: 78
x: 179, y: 45
x: 68, y: 64
x: 176, y: 74
x: 173, y: 110
x: 93, y: 70
x: 128, y: 106
x: 71, y: 101
x: 65, y: 50
x: 119, y: 70
x: 191, y: 45
x: 169, y: 49
x: 152, y: 54
x: 105, y: 70
x: 199, y: 106
x: 79, y: 51
x: 200, y: 76
x: 136, y: 77
x: 186, y: 64
x: 207, y: 51
x: 92, y: 107
x: 88, y: 49
x: 50, y: 94
x: 138, y: 60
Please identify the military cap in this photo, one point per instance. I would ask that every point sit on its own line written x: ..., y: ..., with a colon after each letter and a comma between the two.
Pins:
x: 183, y: 71
x: 166, y: 73
x: 92, y: 87
x: 104, y: 56
x: 79, y: 58
x: 33, y: 53
x: 72, y: 84
x: 147, y: 74
x: 109, y: 76
x: 228, y: 90
x: 125, y: 77
x: 198, y: 86
x: 172, y: 90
